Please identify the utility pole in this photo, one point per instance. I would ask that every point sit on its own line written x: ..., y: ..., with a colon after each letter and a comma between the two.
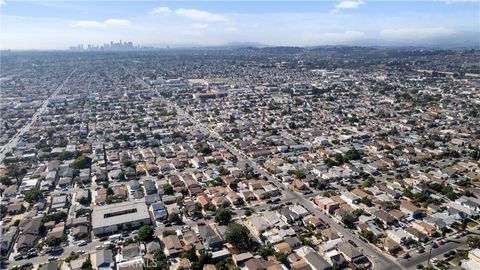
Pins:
x: 429, y: 255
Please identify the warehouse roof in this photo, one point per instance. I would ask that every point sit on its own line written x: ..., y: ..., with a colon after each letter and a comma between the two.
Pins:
x: 119, y: 213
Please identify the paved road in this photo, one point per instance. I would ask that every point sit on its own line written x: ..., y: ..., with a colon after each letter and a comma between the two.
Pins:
x: 90, y: 247
x: 17, y: 137
x: 453, y: 244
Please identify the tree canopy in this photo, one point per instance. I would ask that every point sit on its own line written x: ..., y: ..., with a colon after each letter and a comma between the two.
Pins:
x: 82, y: 162
x: 223, y: 216
x: 238, y: 235
x: 145, y: 233
x: 33, y: 195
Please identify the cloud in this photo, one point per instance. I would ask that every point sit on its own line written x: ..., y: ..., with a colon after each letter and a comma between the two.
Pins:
x: 102, y: 25
x: 409, y: 34
x: 117, y: 22
x: 3, y: 2
x: 200, y: 15
x: 161, y: 10
x: 200, y: 26
x: 347, y: 4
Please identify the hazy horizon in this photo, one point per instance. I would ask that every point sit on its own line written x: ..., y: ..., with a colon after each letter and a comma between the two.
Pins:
x: 57, y: 25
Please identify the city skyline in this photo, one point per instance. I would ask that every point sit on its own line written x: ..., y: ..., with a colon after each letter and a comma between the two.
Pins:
x: 204, y: 23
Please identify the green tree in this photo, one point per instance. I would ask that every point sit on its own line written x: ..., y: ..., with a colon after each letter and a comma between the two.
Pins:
x: 223, y: 216
x: 72, y: 256
x: 238, y: 235
x: 87, y: 265
x: 159, y: 262
x: 473, y: 241
x: 6, y: 181
x: 265, y: 251
x: 320, y: 184
x: 129, y: 163
x: 233, y: 185
x: 168, y: 232
x: 53, y: 241
x: 348, y: 220
x: 353, y: 154
x: 145, y: 233
x: 189, y: 254
x: 32, y: 196
x: 367, y: 201
x: 299, y: 174
x: 82, y: 162
x: 281, y: 257
x: 168, y: 189
x: 16, y: 170
x: 65, y: 155
x: 57, y: 217
x: 368, y: 235
x: 223, y: 171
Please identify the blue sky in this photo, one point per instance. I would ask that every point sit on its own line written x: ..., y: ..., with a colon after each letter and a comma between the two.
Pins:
x: 59, y: 24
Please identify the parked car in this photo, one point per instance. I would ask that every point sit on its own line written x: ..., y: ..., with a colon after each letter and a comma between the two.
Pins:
x: 32, y: 254
x: 352, y: 243
x: 26, y: 265
x: 57, y: 249
x: 7, y: 219
x: 82, y: 243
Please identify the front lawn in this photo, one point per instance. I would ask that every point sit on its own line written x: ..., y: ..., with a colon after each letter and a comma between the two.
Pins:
x: 472, y: 224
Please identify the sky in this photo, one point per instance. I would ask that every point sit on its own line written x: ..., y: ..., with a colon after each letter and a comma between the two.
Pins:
x: 37, y: 24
